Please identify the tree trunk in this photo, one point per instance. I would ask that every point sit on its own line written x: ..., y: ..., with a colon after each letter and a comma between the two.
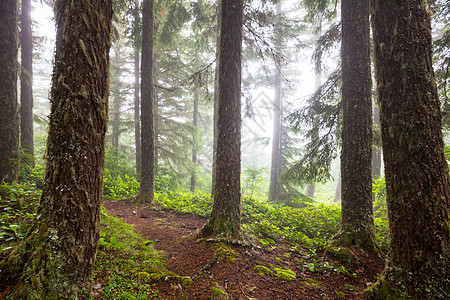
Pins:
x: 26, y: 85
x: 275, y: 168
x: 195, y: 133
x: 137, y: 123
x: 58, y: 253
x: 147, y: 193
x: 337, y: 193
x: 116, y: 98
x: 9, y: 115
x: 311, y: 188
x: 225, y: 219
x: 417, y: 176
x: 216, y: 96
x: 376, y: 150
x: 357, y: 226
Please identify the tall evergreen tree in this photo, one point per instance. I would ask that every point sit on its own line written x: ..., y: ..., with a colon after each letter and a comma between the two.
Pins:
x: 225, y: 218
x: 147, y: 193
x: 275, y: 168
x: 9, y: 115
x: 357, y: 227
x: 417, y: 176
x: 26, y: 84
x: 57, y: 256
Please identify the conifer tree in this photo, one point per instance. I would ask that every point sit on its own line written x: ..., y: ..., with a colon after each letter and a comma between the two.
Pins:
x: 56, y: 258
x: 417, y: 176
x: 9, y: 115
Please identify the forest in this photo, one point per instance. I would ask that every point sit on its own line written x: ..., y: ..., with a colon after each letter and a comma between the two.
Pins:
x: 224, y: 149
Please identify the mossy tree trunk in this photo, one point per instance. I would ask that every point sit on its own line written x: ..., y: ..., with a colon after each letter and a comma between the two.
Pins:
x: 147, y: 193
x: 225, y: 219
x: 357, y: 227
x: 58, y: 253
x: 9, y: 114
x: 26, y: 85
x: 417, y: 176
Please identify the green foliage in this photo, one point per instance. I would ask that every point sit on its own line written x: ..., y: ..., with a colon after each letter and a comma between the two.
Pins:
x: 379, y: 193
x: 198, y: 203
x: 255, y: 182
x: 34, y: 175
x: 119, y: 186
x: 18, y: 207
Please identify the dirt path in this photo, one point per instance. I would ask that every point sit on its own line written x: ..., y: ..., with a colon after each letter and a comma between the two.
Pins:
x: 237, y: 279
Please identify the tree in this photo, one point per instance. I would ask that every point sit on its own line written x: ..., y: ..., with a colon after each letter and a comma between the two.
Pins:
x: 26, y: 84
x: 225, y: 218
x: 195, y: 133
x: 147, y: 193
x: 137, y: 123
x: 275, y: 168
x: 357, y: 225
x: 417, y: 176
x: 58, y: 253
x: 9, y: 115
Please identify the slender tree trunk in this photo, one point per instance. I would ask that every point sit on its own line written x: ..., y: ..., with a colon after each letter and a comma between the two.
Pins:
x: 376, y: 150
x: 147, y: 193
x: 357, y: 227
x: 56, y: 258
x: 225, y: 219
x: 216, y: 96
x: 137, y: 122
x: 26, y: 84
x: 9, y: 114
x: 417, y: 176
x: 311, y: 188
x: 276, y: 136
x: 116, y: 97
x: 337, y: 193
x: 194, y: 142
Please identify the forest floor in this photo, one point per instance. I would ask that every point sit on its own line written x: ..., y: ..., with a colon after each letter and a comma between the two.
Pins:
x: 222, y: 271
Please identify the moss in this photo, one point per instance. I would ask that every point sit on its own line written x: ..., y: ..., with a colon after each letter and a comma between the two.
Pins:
x: 218, y: 292
x: 263, y: 271
x: 287, y: 275
x: 224, y: 252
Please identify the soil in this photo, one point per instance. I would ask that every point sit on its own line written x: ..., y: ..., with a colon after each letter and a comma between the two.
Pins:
x: 236, y: 277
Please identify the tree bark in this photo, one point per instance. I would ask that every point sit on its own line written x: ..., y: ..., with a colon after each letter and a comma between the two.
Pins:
x: 194, y: 142
x: 417, y: 176
x: 225, y: 219
x: 357, y: 226
x: 376, y: 150
x: 137, y: 121
x: 147, y: 193
x: 58, y: 253
x: 275, y: 168
x: 216, y: 96
x: 26, y: 85
x: 116, y: 100
x: 9, y: 114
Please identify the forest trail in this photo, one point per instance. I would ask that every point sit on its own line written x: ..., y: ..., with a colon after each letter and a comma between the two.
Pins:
x: 231, y: 274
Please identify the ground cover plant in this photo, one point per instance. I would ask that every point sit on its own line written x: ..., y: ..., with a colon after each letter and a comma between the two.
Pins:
x: 129, y: 267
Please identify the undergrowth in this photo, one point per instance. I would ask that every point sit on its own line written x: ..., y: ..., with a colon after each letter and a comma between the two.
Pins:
x: 126, y: 265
